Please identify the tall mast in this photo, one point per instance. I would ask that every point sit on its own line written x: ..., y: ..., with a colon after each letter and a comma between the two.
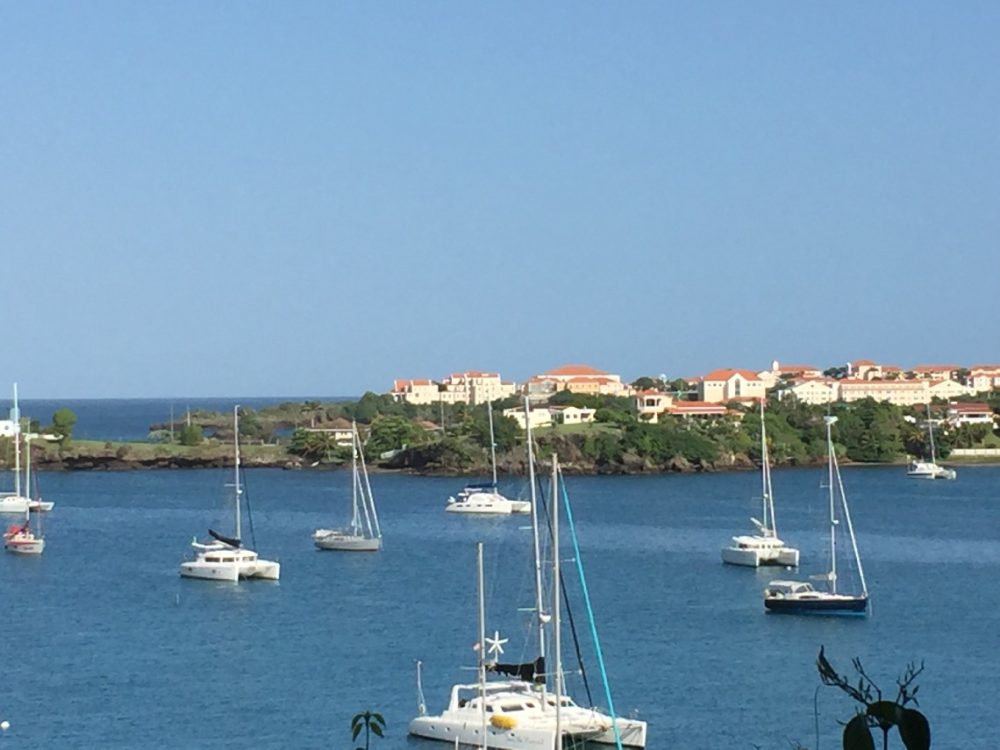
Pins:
x: 556, y: 638
x: 482, y: 640
x: 27, y: 478
x: 355, y: 521
x: 16, y: 416
x: 539, y: 609
x: 236, y: 465
x: 832, y: 458
x: 930, y: 430
x: 493, y: 445
x: 765, y: 476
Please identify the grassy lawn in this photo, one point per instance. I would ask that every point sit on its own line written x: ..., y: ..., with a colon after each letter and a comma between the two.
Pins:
x: 588, y: 428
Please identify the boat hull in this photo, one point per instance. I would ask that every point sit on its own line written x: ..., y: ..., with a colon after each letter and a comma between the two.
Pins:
x: 40, y: 506
x: 14, y: 504
x: 346, y: 542
x: 30, y: 547
x: 457, y: 732
x: 231, y: 572
x: 755, y: 558
x: 824, y: 605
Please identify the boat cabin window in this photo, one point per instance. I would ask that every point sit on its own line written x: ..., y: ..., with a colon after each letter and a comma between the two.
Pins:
x: 212, y: 559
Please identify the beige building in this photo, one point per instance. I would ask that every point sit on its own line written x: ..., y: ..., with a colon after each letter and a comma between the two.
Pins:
x: 416, y: 391
x: 814, y: 390
x: 697, y: 409
x: 899, y: 392
x: 949, y: 389
x: 936, y: 372
x: 578, y: 379
x: 722, y: 386
x: 474, y: 387
x: 779, y: 372
x: 650, y: 404
x: 971, y: 413
x: 866, y: 369
x: 984, y: 377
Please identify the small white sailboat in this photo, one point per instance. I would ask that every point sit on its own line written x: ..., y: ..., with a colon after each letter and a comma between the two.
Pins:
x: 18, y: 503
x: 364, y: 533
x: 22, y: 539
x: 225, y: 558
x: 486, y: 499
x: 930, y: 469
x: 764, y: 547
x: 800, y: 597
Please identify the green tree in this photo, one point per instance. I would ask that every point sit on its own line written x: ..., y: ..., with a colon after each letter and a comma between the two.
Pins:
x: 371, y: 722
x: 392, y: 432
x: 191, y: 434
x: 63, y: 422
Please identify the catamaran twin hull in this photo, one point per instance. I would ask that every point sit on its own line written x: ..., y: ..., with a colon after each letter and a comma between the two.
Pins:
x: 755, y: 552
x: 468, y: 733
x: 219, y: 564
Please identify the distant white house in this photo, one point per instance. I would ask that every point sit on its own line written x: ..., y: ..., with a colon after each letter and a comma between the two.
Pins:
x: 6, y: 428
x: 572, y: 414
x: 651, y: 403
x: 813, y: 390
x: 541, y: 417
x: 960, y: 414
x: 720, y: 386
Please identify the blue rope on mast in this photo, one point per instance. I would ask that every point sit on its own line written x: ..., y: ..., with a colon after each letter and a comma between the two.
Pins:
x: 590, y: 614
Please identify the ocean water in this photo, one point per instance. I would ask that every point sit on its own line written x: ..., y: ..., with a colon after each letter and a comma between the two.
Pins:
x: 130, y: 419
x: 106, y: 646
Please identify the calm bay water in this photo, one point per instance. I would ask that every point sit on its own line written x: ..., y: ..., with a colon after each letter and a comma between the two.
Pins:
x: 130, y: 418
x: 105, y: 646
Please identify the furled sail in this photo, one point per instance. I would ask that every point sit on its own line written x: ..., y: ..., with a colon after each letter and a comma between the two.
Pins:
x: 224, y: 539
x: 532, y: 670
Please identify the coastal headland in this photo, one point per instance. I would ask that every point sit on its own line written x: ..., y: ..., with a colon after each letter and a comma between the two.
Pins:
x: 454, y: 439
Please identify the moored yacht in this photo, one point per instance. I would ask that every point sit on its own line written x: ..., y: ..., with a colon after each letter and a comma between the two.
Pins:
x: 225, y: 558
x: 764, y: 547
x: 930, y: 469
x: 485, y: 498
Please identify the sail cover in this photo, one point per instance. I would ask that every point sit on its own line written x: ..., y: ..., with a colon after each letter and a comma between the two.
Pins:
x: 532, y: 670
x: 224, y: 539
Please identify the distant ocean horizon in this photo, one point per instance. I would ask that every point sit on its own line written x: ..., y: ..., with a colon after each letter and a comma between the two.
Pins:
x: 130, y: 418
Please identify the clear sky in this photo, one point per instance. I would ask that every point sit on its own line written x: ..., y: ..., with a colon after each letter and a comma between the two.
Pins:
x: 270, y: 198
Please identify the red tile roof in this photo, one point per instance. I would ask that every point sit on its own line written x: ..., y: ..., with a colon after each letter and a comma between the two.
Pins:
x: 567, y: 370
x: 935, y: 368
x: 726, y: 374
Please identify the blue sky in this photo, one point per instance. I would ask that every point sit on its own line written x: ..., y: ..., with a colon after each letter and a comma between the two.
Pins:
x: 254, y: 198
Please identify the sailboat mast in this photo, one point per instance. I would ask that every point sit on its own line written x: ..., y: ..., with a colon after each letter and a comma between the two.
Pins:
x: 27, y: 479
x: 765, y: 477
x: 493, y: 445
x: 832, y: 458
x: 539, y: 609
x: 482, y: 639
x: 556, y: 638
x: 355, y: 521
x: 16, y: 417
x: 236, y: 465
x: 930, y: 431
x: 367, y: 494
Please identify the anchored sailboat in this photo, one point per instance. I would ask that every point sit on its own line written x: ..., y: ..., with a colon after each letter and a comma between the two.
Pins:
x: 530, y: 710
x: 799, y: 597
x: 22, y: 539
x: 764, y: 547
x: 930, y: 469
x: 364, y: 534
x: 486, y: 499
x: 225, y: 558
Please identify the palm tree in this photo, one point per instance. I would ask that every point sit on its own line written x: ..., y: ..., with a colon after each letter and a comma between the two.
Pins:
x: 371, y: 722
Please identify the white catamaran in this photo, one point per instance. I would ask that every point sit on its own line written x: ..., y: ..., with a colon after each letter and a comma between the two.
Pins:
x: 486, y: 499
x: 364, y: 534
x: 225, y: 558
x: 764, y: 547
x: 930, y: 469
x: 800, y: 597
x: 531, y: 710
